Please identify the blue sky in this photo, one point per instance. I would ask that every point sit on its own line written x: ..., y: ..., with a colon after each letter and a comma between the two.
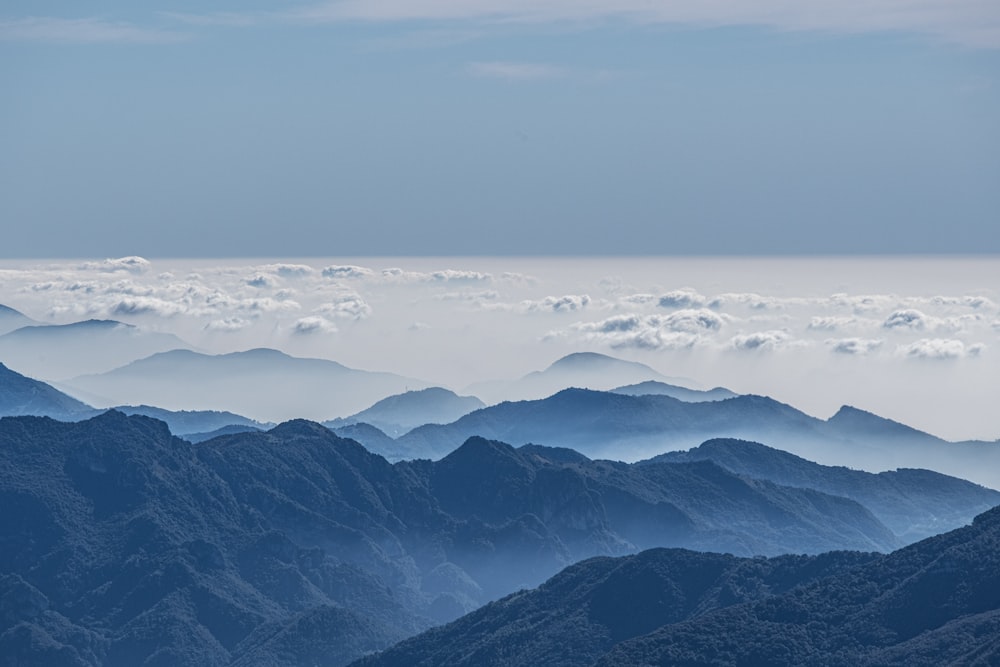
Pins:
x: 437, y: 127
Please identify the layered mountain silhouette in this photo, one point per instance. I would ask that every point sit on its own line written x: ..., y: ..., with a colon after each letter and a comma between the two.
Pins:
x: 675, y: 391
x: 935, y: 602
x: 11, y: 319
x: 186, y: 423
x: 60, y: 351
x: 121, y: 544
x: 580, y: 369
x: 623, y: 427
x: 395, y: 415
x: 263, y: 384
x: 915, y: 504
x: 21, y: 395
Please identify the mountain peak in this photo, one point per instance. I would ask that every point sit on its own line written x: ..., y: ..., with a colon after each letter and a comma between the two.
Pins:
x: 590, y: 360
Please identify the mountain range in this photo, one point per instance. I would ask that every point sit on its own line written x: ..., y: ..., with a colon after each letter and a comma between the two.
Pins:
x: 395, y: 415
x: 680, y: 393
x: 263, y: 384
x: 936, y: 602
x: 624, y: 427
x: 55, y: 352
x: 11, y: 319
x: 121, y: 544
x: 580, y: 369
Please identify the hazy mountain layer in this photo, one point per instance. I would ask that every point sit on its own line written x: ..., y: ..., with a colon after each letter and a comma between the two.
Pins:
x: 20, y: 395
x: 59, y: 351
x: 120, y: 543
x: 933, y: 603
x: 615, y: 426
x: 915, y: 504
x: 680, y: 393
x: 262, y: 384
x: 395, y: 415
x: 11, y: 319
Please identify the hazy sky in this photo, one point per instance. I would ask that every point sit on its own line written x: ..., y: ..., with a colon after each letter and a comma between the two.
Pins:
x: 448, y: 127
x: 916, y: 340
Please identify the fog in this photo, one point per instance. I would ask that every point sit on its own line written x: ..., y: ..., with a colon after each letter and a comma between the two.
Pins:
x: 913, y: 339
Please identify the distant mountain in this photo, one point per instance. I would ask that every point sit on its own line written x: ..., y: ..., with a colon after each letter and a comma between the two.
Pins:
x: 622, y: 427
x: 589, y: 370
x: 914, y: 504
x: 262, y: 384
x: 11, y: 319
x: 936, y: 602
x: 231, y: 429
x: 395, y: 415
x: 60, y: 351
x: 680, y: 393
x: 584, y: 611
x: 374, y: 441
x: 187, y: 422
x: 121, y: 544
x: 20, y: 395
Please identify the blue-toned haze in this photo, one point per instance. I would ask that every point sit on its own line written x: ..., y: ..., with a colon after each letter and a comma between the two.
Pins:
x: 384, y: 127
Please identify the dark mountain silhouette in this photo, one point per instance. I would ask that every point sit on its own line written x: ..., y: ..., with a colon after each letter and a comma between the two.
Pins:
x: 20, y: 395
x: 680, y: 393
x: 584, y: 611
x: 375, y: 441
x: 581, y: 369
x: 122, y: 544
x: 935, y: 602
x: 11, y: 319
x: 395, y: 415
x: 188, y: 422
x: 262, y: 384
x: 60, y: 351
x: 914, y: 504
x: 615, y: 426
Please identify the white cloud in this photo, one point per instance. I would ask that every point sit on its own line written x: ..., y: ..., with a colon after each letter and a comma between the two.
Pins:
x: 558, y: 304
x: 228, y: 324
x: 854, y: 346
x: 683, y: 298
x: 313, y: 324
x: 132, y: 264
x: 909, y: 318
x: 761, y: 340
x: 349, y: 305
x: 971, y: 22
x: 83, y: 31
x: 347, y: 271
x: 513, y: 71
x: 940, y: 348
x: 693, y: 321
x: 831, y: 322
x: 261, y: 280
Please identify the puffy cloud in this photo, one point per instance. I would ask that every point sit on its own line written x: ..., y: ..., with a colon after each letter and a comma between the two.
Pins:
x: 940, y: 348
x: 313, y: 324
x: 228, y: 324
x: 347, y: 271
x: 348, y: 305
x: 680, y: 330
x: 261, y: 280
x: 290, y: 270
x: 480, y: 297
x: 638, y: 300
x: 693, y: 321
x: 558, y: 304
x: 131, y: 264
x: 830, y: 322
x: 976, y: 302
x: 761, y: 340
x: 453, y: 275
x: 146, y: 306
x: 909, y: 318
x: 855, y: 346
x: 683, y: 298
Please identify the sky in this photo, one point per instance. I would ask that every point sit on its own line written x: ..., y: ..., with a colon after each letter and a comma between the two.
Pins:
x: 550, y: 127
x: 913, y: 339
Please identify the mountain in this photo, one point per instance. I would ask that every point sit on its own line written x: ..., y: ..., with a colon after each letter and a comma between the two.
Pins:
x: 581, y: 369
x: 395, y: 415
x: 935, y: 602
x: 914, y: 504
x: 121, y: 544
x: 60, y: 351
x: 187, y: 422
x: 374, y: 440
x: 585, y: 610
x: 11, y: 319
x: 265, y: 385
x: 20, y: 395
x: 622, y: 427
x: 680, y: 393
